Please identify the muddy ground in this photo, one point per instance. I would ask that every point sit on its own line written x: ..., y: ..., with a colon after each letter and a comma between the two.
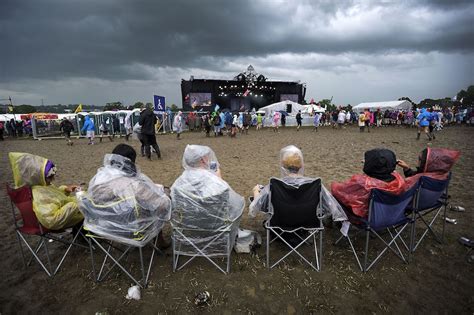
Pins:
x: 438, y: 279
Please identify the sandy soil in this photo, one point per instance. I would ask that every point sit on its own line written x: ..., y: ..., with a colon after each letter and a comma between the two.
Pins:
x: 438, y: 279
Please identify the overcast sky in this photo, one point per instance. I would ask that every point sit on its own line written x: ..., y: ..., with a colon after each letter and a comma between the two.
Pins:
x: 98, y: 51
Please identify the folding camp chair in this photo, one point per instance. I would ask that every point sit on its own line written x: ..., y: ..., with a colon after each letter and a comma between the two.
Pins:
x: 117, y: 251
x: 432, y: 198
x: 295, y: 212
x: 22, y: 199
x: 386, y: 212
x: 217, y: 244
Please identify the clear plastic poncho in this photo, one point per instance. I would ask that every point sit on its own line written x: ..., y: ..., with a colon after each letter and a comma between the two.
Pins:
x: 123, y: 204
x: 54, y: 208
x: 204, y: 204
x: 292, y: 173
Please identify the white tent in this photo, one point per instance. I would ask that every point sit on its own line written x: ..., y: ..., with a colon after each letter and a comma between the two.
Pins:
x: 392, y: 105
x: 313, y: 108
x: 295, y: 107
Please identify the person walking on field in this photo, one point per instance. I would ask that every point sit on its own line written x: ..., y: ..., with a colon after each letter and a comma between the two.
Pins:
x: 66, y: 127
x: 259, y: 121
x: 361, y: 122
x: 368, y: 115
x: 147, y: 121
x: 104, y: 131
x: 316, y: 119
x: 298, y: 120
x: 89, y: 128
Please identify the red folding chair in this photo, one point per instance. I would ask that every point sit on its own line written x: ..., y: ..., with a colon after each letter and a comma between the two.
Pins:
x: 22, y: 199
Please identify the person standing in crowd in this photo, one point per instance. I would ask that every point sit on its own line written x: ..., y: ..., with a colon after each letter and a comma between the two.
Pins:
x: 316, y: 119
x: 104, y: 131
x: 259, y: 121
x: 178, y: 124
x: 89, y: 128
x: 228, y: 122
x: 423, y: 120
x: 2, y: 129
x: 283, y: 120
x: 348, y: 117
x: 361, y: 122
x: 116, y: 125
x: 19, y: 128
x: 66, y: 127
x: 379, y: 118
x: 341, y: 118
x: 298, y: 120
x: 276, y: 119
x: 367, y: 119
x: 222, y: 123
x: 128, y: 126
x: 207, y: 124
x: 247, y: 119
x: 147, y: 121
x: 12, y: 129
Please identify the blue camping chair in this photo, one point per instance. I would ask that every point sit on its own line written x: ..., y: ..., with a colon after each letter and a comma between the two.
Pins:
x: 432, y: 197
x: 386, y: 212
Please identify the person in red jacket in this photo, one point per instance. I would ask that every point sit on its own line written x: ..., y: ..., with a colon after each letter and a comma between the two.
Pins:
x: 379, y: 173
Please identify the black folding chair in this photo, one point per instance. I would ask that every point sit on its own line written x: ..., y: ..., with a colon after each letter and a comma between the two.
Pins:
x: 295, y: 211
x: 387, y: 212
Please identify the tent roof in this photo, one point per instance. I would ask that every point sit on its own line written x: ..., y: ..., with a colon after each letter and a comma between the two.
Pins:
x: 404, y: 105
x: 282, y: 106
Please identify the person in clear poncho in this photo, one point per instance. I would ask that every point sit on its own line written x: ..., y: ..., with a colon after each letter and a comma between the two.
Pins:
x: 122, y: 203
x: 202, y: 200
x: 292, y: 173
x: 54, y: 206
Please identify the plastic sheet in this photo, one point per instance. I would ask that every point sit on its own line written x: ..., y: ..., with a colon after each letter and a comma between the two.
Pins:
x: 291, y: 161
x: 438, y: 164
x: 28, y: 169
x: 54, y: 209
x: 355, y: 192
x: 124, y: 205
x: 292, y: 173
x: 204, y: 205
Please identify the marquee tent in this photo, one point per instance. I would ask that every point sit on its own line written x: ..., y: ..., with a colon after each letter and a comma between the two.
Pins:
x: 392, y: 105
x: 295, y: 107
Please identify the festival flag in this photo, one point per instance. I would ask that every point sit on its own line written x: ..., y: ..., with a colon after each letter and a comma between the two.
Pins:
x: 78, y: 109
x: 216, y: 108
x: 10, y: 108
x: 186, y: 98
x: 246, y: 92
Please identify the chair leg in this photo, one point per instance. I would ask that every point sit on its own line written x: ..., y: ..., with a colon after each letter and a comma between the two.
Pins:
x: 21, y: 248
x: 444, y: 221
x: 35, y: 255
x: 45, y: 241
x: 92, y: 258
x: 142, y: 265
x: 67, y: 251
x: 268, y: 249
x: 320, y: 267
x: 366, y: 254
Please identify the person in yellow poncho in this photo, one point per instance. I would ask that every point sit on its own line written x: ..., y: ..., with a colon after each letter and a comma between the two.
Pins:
x: 53, y: 206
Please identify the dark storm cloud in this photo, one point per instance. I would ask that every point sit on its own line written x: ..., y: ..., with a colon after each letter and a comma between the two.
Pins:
x: 58, y: 39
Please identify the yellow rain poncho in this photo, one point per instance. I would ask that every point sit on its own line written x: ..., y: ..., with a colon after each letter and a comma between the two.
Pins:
x: 53, y: 207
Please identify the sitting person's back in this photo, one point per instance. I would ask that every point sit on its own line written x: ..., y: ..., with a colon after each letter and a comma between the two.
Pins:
x: 200, y: 197
x: 379, y: 169
x: 55, y: 209
x: 432, y: 162
x: 122, y: 203
x: 292, y: 173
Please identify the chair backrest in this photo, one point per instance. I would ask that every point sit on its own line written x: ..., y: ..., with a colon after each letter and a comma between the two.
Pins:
x: 386, y: 209
x: 210, y: 212
x: 295, y: 207
x: 430, y: 192
x: 22, y: 198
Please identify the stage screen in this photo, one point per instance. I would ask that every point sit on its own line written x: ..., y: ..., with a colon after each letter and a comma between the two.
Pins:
x: 200, y: 99
x: 289, y: 97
